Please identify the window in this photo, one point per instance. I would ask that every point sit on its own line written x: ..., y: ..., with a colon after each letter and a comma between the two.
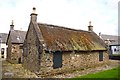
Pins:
x: 2, y: 51
x: 115, y: 49
x: 2, y: 56
x: 18, y: 38
x: 100, y: 55
x: 19, y: 60
x: 25, y: 52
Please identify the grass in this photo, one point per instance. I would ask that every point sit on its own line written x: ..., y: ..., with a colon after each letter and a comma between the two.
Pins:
x: 112, y: 74
x: 116, y: 55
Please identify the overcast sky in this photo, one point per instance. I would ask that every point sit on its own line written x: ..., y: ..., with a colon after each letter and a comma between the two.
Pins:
x: 69, y: 13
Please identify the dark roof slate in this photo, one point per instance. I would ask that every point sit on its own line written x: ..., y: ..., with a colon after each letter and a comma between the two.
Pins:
x: 114, y: 39
x: 57, y: 38
x: 3, y: 37
x: 17, y: 36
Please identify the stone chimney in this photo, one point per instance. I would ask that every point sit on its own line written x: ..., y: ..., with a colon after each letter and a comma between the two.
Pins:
x: 90, y: 27
x: 12, y: 25
x: 34, y: 15
x: 100, y: 35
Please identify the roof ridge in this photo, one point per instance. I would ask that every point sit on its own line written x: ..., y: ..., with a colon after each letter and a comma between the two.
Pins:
x: 52, y: 25
x: 3, y: 33
x: 109, y: 35
x: 19, y: 30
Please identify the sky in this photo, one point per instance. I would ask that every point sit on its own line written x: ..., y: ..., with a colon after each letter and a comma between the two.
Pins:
x: 74, y: 14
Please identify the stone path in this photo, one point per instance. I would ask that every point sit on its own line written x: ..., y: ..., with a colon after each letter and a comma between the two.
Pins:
x: 17, y: 71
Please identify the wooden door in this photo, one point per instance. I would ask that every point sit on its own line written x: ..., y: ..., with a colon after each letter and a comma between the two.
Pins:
x: 57, y: 59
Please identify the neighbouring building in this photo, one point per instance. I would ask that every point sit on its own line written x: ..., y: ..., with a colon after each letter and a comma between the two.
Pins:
x: 15, y: 41
x: 3, y: 46
x: 112, y: 41
x: 50, y: 49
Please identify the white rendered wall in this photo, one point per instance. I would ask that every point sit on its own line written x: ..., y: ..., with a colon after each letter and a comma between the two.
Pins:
x: 3, y: 45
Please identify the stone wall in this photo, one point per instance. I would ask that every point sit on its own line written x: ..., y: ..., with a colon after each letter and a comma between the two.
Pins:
x: 30, y: 55
x: 15, y: 54
x: 14, y: 51
x: 71, y: 61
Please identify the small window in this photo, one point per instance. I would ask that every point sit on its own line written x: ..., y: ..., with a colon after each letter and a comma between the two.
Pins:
x: 2, y: 51
x: 25, y: 52
x: 21, y: 47
x: 2, y: 56
x: 18, y: 38
x: 115, y: 50
x: 19, y: 60
x: 100, y: 55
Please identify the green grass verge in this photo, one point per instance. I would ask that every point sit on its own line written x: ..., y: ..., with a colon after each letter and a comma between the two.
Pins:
x: 115, y: 54
x: 113, y: 73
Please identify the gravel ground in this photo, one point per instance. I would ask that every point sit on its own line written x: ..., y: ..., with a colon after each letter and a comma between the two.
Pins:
x: 17, y: 71
x: 112, y: 64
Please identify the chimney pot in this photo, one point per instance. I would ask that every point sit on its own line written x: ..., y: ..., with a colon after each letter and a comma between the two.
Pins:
x: 33, y: 15
x: 34, y: 10
x: 12, y: 25
x: 89, y: 23
x: 99, y: 33
x: 90, y: 27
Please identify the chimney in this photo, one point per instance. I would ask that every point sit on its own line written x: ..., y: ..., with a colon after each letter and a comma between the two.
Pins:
x: 34, y: 15
x: 12, y: 25
x: 100, y: 35
x: 90, y: 27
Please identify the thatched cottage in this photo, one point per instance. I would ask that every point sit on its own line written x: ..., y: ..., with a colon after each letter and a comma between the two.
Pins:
x: 15, y: 41
x: 50, y: 49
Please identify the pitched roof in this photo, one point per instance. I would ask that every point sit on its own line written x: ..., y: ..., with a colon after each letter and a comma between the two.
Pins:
x: 112, y: 38
x: 57, y: 38
x: 17, y: 36
x: 3, y: 37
